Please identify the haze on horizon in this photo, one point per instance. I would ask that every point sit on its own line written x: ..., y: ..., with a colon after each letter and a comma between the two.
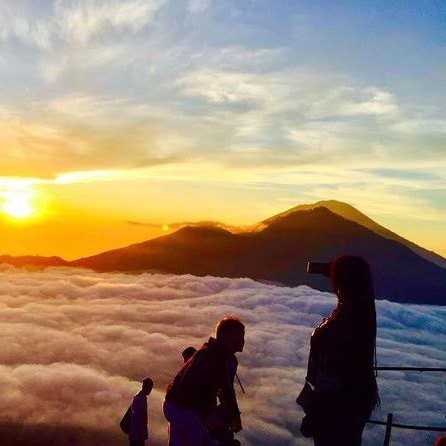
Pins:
x: 162, y: 111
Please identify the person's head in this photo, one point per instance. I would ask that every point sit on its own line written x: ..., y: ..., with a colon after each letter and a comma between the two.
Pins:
x: 351, y: 279
x: 188, y: 353
x: 230, y: 332
x: 352, y: 282
x: 147, y: 385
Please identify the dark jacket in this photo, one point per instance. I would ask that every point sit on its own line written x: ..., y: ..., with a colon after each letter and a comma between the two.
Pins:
x: 341, y: 363
x: 139, y: 430
x: 210, y: 372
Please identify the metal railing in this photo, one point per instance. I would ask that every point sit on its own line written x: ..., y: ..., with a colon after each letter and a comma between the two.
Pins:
x: 389, y: 422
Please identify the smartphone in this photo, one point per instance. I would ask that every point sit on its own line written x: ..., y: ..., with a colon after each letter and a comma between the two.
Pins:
x: 318, y: 268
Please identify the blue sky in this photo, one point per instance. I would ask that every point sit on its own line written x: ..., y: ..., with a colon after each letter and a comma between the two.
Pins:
x: 310, y: 100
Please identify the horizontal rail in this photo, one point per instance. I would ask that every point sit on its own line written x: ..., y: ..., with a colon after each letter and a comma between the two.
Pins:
x: 409, y: 426
x: 413, y: 369
x: 389, y: 423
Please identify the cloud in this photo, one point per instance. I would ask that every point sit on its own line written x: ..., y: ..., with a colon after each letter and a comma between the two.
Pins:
x: 300, y: 115
x: 16, y: 22
x: 73, y: 38
x: 302, y: 91
x: 75, y: 63
x: 178, y: 225
x: 376, y: 102
x: 273, y: 114
x: 198, y: 6
x: 76, y: 344
x: 82, y: 21
x: 80, y: 133
x: 231, y: 97
x: 424, y: 126
x: 74, y: 22
x: 225, y: 87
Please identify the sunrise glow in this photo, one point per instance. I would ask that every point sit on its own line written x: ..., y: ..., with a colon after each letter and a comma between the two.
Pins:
x: 167, y: 163
x: 239, y: 111
x: 19, y: 205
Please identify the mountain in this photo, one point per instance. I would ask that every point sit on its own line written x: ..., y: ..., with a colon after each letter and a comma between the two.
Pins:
x: 278, y: 250
x: 350, y: 213
x: 38, y: 261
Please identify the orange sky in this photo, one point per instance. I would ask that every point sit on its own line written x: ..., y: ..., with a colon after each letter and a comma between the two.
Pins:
x: 158, y: 112
x: 84, y: 214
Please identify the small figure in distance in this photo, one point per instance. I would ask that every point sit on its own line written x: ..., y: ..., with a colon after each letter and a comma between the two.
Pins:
x: 188, y: 353
x: 190, y: 406
x: 139, y: 432
x: 341, y: 391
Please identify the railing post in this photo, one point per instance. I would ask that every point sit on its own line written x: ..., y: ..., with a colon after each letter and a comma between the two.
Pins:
x: 388, y: 429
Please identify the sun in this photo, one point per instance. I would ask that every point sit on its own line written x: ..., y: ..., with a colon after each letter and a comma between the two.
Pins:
x: 18, y: 205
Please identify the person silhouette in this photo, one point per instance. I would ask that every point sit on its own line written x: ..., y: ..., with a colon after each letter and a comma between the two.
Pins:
x: 341, y: 390
x: 188, y: 352
x: 190, y: 405
x: 224, y: 435
x: 139, y: 432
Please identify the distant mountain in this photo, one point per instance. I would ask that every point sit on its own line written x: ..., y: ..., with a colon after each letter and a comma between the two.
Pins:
x: 278, y: 249
x: 39, y: 261
x: 350, y: 213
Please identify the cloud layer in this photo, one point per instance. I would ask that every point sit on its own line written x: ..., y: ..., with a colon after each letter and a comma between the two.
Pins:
x: 75, y: 345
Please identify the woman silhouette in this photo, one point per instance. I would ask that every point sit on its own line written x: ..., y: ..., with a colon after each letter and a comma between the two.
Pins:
x: 341, y: 389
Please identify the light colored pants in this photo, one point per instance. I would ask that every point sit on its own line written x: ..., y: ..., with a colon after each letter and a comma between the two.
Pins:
x: 185, y: 427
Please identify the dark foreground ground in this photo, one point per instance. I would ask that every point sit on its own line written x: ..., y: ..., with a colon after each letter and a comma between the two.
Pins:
x: 15, y: 434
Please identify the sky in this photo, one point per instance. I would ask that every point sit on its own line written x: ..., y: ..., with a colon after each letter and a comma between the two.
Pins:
x: 120, y: 117
x: 76, y: 345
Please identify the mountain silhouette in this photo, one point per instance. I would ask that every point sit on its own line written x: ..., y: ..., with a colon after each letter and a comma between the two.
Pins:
x: 38, y: 261
x: 350, y: 213
x: 277, y: 249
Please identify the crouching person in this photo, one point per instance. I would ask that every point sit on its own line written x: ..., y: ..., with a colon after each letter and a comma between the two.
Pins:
x: 190, y: 406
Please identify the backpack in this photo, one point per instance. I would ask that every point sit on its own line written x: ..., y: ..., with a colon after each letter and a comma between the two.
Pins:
x: 126, y: 423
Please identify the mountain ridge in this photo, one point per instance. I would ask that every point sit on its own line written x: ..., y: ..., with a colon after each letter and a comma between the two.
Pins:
x: 351, y: 213
x: 277, y: 249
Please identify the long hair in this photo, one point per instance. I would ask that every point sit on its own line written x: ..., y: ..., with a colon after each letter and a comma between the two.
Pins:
x: 351, y: 279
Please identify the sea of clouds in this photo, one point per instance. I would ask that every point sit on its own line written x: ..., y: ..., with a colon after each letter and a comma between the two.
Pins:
x: 75, y: 344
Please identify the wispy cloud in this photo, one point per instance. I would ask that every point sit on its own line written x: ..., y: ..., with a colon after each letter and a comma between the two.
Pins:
x: 75, y: 22
x: 82, y: 21
x: 198, y: 6
x: 76, y: 62
x: 236, y: 104
x: 78, y: 133
x: 16, y: 22
x: 297, y: 114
